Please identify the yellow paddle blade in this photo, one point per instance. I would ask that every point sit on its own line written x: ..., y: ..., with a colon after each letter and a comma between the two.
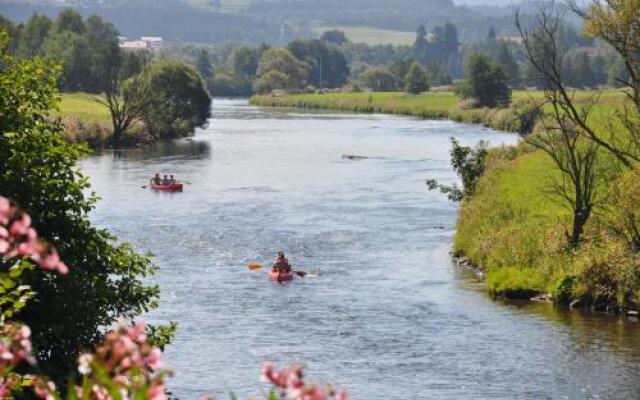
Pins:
x: 254, y: 266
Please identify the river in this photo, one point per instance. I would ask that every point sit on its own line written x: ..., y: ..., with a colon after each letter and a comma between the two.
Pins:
x: 386, y: 315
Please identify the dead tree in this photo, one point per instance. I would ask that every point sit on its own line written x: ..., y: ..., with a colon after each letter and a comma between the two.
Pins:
x: 565, y: 137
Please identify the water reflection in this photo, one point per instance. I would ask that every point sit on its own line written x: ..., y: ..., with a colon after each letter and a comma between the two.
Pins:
x: 187, y: 149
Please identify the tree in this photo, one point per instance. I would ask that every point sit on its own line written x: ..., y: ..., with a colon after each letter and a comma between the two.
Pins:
x: 421, y: 45
x: 400, y: 69
x: 561, y: 139
x: 179, y: 100
x: 491, y: 36
x: 509, y: 65
x: 548, y: 56
x: 34, y: 33
x: 416, y: 80
x: 437, y: 75
x: 127, y: 100
x: 69, y: 21
x: 378, y: 79
x: 272, y: 80
x: 245, y: 60
x: 599, y: 67
x: 468, y: 163
x: 486, y: 83
x: 334, y: 36
x: 85, y: 49
x: 282, y: 61
x: 583, y: 73
x: 328, y: 64
x: 102, y: 39
x: 577, y: 185
x: 40, y: 173
x: 203, y: 64
x: 616, y: 23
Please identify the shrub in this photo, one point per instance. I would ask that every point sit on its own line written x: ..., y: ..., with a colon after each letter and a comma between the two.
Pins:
x: 485, y: 82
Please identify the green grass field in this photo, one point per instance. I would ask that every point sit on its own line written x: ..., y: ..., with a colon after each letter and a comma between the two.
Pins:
x: 372, y: 36
x: 425, y: 105
x: 227, y: 5
x: 82, y: 106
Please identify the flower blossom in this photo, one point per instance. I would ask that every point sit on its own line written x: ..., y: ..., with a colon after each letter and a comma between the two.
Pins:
x: 44, y: 388
x: 290, y: 382
x: 129, y: 360
x: 19, y: 239
x: 15, y: 345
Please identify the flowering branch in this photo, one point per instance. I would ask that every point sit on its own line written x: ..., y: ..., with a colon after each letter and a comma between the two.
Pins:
x: 291, y: 385
x: 19, y: 239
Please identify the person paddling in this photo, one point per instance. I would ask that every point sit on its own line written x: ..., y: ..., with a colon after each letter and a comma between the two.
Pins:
x: 281, y: 264
x: 157, y: 180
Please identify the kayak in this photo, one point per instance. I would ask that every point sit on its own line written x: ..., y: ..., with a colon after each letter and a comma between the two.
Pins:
x: 278, y: 276
x: 172, y: 187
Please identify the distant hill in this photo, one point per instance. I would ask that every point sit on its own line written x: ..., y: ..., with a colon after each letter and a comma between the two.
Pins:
x: 398, y: 15
x: 174, y: 20
x: 274, y: 21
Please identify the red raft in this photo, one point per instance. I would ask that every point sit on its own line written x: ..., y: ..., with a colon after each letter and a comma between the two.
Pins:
x: 172, y: 187
x: 278, y: 276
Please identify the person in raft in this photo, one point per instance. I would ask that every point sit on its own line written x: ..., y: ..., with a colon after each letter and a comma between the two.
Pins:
x: 157, y: 180
x: 281, y: 264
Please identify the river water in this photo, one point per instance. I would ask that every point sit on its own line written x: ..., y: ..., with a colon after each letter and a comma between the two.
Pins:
x: 386, y: 314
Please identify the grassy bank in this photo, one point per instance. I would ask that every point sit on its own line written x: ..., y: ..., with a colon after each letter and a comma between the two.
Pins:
x: 431, y: 105
x: 515, y: 228
x: 88, y: 121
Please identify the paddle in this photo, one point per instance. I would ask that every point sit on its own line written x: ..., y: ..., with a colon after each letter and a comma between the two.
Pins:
x: 254, y: 266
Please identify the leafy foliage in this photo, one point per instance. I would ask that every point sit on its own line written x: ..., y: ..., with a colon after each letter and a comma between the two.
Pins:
x: 328, y: 64
x: 378, y: 79
x: 469, y: 164
x: 416, y: 80
x: 40, y: 174
x: 179, y: 101
x: 486, y: 83
x: 280, y: 69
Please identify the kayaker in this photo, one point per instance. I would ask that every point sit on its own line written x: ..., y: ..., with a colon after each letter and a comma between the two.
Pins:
x: 282, y: 264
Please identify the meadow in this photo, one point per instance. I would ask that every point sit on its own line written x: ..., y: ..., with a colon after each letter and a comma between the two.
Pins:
x: 372, y: 36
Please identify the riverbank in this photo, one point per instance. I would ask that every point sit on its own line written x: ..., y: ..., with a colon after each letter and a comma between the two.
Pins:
x: 519, y: 117
x: 432, y: 105
x: 88, y: 121
x: 513, y: 229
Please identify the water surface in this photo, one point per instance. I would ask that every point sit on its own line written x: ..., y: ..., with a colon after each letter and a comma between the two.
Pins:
x: 388, y: 315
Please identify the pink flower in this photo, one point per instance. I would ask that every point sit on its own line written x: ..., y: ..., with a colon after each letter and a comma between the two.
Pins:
x: 44, y: 388
x: 156, y: 392
x: 154, y: 360
x: 19, y: 239
x: 291, y: 382
x: 129, y: 360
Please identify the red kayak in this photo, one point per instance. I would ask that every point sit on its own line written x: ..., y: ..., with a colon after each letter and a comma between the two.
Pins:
x: 172, y: 187
x: 278, y: 276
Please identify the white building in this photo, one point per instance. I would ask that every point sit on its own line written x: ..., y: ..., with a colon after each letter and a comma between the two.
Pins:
x: 144, y: 43
x: 154, y: 42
